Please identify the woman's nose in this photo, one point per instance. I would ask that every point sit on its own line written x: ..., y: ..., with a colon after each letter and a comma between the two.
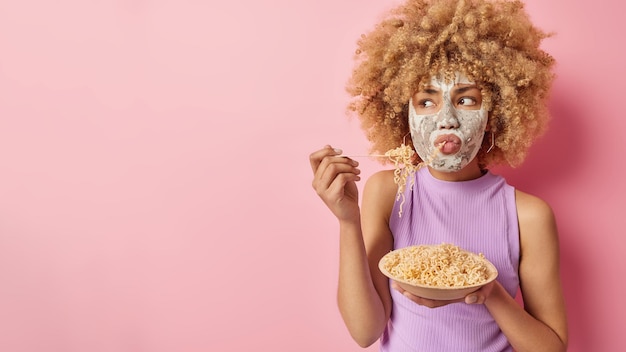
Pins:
x: 447, y: 118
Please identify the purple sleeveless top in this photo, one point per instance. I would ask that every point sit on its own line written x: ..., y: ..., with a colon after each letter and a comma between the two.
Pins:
x: 478, y: 215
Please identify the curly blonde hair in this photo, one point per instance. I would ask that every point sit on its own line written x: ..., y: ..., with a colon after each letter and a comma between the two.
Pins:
x: 493, y: 43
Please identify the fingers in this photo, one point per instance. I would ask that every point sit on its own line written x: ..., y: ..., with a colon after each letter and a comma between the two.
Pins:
x: 473, y: 298
x: 316, y: 157
x: 337, y: 171
x: 476, y: 297
x: 426, y: 302
x: 332, y: 172
x: 479, y: 296
x: 334, y: 178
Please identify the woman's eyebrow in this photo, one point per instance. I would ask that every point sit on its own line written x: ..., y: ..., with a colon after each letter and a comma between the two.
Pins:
x: 430, y: 90
x: 461, y: 90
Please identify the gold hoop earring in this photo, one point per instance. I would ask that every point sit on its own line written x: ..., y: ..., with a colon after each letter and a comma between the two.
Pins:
x: 404, y: 138
x: 493, y: 142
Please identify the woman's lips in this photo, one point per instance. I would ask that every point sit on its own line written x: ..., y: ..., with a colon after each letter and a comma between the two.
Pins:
x: 448, y: 144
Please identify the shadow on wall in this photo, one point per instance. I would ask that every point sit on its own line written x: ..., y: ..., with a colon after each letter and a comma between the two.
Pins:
x: 552, y: 161
x: 578, y: 298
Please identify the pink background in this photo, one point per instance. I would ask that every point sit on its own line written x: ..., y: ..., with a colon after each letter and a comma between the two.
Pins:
x: 154, y: 181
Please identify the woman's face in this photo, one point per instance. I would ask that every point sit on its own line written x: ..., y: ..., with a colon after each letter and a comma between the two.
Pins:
x: 447, y: 123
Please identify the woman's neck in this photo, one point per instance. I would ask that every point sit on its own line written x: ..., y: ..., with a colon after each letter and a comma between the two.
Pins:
x: 470, y: 172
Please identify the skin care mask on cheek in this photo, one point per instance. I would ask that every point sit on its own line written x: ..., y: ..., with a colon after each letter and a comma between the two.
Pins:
x: 458, y: 133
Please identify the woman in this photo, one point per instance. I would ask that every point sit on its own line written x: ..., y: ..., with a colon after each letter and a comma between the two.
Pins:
x: 467, y: 81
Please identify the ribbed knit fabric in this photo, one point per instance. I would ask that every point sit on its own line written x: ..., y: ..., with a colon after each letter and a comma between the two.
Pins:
x: 477, y: 215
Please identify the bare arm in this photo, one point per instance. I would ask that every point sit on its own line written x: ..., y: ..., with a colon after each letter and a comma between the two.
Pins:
x: 364, y: 237
x: 365, y: 302
x: 541, y: 325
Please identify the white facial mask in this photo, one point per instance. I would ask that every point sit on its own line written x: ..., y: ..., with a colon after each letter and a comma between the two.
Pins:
x: 461, y: 130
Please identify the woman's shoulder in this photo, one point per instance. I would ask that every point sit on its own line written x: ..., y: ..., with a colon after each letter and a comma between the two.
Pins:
x: 537, y: 223
x: 382, y: 176
x: 380, y: 191
x: 381, y: 182
x: 531, y: 207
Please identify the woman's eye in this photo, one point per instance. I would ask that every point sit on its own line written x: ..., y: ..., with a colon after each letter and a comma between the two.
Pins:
x: 467, y: 101
x: 427, y: 104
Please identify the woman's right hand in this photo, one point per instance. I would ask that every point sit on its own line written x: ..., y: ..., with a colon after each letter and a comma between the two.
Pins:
x: 334, y: 180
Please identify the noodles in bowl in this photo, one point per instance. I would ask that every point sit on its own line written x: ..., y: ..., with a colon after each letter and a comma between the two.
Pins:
x: 441, y: 272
